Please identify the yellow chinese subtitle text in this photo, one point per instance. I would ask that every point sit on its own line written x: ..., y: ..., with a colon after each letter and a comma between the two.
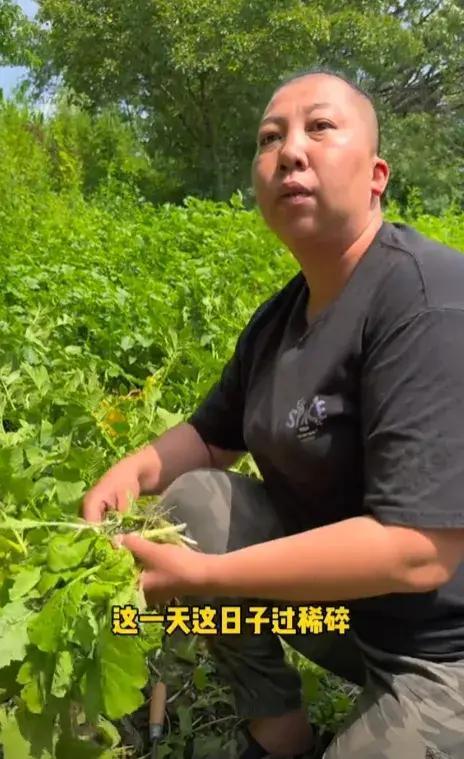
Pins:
x: 233, y: 620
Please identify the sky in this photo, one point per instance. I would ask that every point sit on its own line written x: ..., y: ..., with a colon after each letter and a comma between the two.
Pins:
x: 10, y: 76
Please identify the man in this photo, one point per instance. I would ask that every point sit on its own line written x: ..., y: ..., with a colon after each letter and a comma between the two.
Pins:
x: 347, y: 388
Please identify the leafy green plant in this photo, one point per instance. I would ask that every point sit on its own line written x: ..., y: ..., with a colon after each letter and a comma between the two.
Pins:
x: 60, y: 663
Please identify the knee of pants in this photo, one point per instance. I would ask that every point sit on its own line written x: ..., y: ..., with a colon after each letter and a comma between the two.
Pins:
x: 200, y: 499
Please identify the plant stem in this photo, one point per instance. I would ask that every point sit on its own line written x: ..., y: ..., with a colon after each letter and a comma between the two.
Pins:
x: 21, y: 543
x: 30, y: 524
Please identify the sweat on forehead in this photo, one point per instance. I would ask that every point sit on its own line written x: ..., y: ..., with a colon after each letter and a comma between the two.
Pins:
x: 334, y: 88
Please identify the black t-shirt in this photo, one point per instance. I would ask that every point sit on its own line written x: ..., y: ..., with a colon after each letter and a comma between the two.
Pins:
x: 361, y: 412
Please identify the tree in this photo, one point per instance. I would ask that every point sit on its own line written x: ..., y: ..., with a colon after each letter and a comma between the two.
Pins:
x: 200, y: 72
x: 14, y: 35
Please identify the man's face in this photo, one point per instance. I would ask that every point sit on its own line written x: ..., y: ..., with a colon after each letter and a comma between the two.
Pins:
x: 319, y: 133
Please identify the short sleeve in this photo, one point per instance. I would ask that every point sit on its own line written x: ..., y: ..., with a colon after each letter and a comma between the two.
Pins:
x: 412, y: 407
x: 219, y: 418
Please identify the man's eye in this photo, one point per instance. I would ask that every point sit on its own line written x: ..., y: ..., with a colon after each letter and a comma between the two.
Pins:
x: 270, y: 136
x: 266, y: 138
x: 321, y: 121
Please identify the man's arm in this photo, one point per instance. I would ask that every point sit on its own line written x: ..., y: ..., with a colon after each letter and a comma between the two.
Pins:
x: 355, y: 558
x: 152, y: 469
x: 352, y: 559
x: 179, y: 450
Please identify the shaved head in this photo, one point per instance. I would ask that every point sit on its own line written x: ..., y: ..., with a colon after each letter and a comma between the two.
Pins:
x: 362, y: 101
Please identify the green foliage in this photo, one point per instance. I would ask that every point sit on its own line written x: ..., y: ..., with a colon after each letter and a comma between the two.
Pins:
x: 75, y: 151
x: 88, y: 150
x: 57, y: 643
x: 15, y: 36
x: 195, y: 76
x: 426, y: 156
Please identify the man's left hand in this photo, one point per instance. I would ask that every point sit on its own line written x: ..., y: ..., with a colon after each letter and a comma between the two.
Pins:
x: 170, y: 571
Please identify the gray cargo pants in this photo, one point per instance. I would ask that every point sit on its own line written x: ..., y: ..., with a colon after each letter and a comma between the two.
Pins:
x: 409, y: 708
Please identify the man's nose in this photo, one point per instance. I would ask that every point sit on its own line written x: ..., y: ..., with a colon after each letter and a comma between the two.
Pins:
x: 293, y: 152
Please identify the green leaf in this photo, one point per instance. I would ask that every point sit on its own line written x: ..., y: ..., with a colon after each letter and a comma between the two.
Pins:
x: 186, y: 649
x: 342, y: 702
x: 127, y: 342
x: 90, y: 687
x: 114, y: 678
x: 67, y: 552
x: 69, y: 747
x: 13, y: 632
x: 33, y: 695
x: 54, y: 622
x: 25, y: 580
x: 20, y: 488
x: 69, y: 492
x: 85, y: 631
x: 15, y: 746
x: 166, y: 419
x: 38, y: 731
x: 200, y: 677
x: 26, y: 672
x: 39, y: 376
x: 123, y: 673
x: 62, y: 677
x: 36, y: 674
x: 151, y: 636
x: 310, y: 685
x: 119, y: 566
x: 26, y: 736
x: 207, y: 746
x: 8, y: 683
x: 46, y: 630
x: 98, y: 591
x: 164, y: 750
x: 48, y: 581
x: 108, y: 732
x: 7, y: 545
x: 184, y: 715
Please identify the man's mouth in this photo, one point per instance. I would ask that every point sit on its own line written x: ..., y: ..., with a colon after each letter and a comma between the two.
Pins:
x: 295, y: 197
x: 297, y: 194
x: 294, y: 190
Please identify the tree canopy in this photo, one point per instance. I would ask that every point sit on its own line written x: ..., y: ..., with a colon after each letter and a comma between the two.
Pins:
x: 193, y: 76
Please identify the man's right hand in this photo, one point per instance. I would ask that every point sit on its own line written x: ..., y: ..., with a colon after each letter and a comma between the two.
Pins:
x: 113, y: 491
x: 152, y: 469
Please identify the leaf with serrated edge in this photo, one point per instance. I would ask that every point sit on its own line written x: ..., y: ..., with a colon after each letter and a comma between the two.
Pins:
x: 62, y: 677
x: 66, y: 553
x: 33, y: 696
x: 13, y: 632
x: 25, y: 580
x: 14, y: 745
x: 55, y: 620
x: 123, y: 672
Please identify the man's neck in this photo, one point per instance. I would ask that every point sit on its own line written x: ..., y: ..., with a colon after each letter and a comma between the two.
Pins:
x: 327, y: 270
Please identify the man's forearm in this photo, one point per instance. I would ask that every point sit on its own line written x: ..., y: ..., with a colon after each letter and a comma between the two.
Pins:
x: 178, y: 450
x: 356, y: 558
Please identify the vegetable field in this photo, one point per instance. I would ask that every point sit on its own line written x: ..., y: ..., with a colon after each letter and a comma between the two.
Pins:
x: 115, y: 319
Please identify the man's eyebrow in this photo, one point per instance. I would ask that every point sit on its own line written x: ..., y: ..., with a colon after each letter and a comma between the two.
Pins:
x: 281, y: 119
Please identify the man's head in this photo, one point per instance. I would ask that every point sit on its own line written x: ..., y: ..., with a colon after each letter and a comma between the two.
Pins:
x: 321, y: 131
